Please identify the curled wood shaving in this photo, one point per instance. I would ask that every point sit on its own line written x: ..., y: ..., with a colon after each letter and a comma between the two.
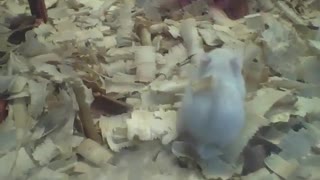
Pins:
x: 280, y: 166
x: 190, y: 36
x: 114, y: 131
x: 45, y: 152
x: 144, y: 34
x: 84, y: 113
x: 94, y: 152
x: 24, y: 163
x: 145, y: 61
x: 158, y: 28
x: 265, y: 5
x: 146, y: 125
x: 120, y: 66
x: 290, y: 13
x: 125, y: 25
x: 177, y: 54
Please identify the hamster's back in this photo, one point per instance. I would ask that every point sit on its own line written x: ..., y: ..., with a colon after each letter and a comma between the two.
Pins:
x: 213, y: 117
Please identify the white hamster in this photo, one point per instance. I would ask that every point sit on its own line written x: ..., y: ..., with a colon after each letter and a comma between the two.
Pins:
x: 215, y: 116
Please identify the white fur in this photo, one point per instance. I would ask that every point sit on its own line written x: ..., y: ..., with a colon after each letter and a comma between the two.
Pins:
x: 215, y: 117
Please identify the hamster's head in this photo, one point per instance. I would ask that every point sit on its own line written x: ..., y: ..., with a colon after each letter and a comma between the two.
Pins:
x: 220, y: 61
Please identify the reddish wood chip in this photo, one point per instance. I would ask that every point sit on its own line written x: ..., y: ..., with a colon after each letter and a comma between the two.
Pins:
x: 3, y: 110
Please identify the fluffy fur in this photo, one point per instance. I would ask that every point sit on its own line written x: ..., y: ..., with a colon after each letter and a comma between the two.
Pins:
x: 214, y: 117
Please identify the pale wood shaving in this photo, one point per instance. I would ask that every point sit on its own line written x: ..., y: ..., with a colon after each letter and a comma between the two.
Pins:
x: 145, y: 53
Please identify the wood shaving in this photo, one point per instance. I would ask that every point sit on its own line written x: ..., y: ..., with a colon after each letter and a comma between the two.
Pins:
x: 145, y: 61
x: 144, y: 53
x: 114, y: 131
x: 94, y: 152
x: 45, y: 152
x: 280, y: 166
x: 146, y: 125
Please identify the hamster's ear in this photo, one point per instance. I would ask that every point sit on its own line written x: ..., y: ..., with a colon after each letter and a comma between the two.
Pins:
x: 204, y: 59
